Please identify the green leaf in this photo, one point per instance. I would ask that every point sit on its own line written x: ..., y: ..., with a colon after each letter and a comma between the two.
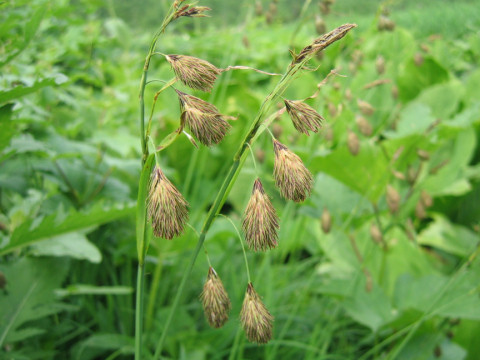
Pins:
x: 142, y: 238
x: 413, y: 79
x: 31, y: 28
x: 7, y: 127
x: 366, y: 173
x: 35, y: 230
x: 444, y: 235
x: 415, y: 119
x: 21, y: 90
x: 443, y: 99
x: 30, y: 294
x: 75, y: 245
x: 80, y: 289
x: 372, y: 308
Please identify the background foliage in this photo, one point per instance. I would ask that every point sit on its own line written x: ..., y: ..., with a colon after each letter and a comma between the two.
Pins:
x: 70, y: 161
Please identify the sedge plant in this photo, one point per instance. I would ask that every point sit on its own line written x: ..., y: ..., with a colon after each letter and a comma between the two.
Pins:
x: 162, y: 208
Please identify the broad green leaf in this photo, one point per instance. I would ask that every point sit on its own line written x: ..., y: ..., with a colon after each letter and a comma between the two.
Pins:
x: 36, y: 230
x: 75, y: 245
x: 31, y: 284
x: 415, y: 119
x: 443, y: 99
x: 413, y: 79
x: 21, y: 90
x: 372, y: 308
x: 455, y: 297
x: 366, y: 173
x: 444, y: 235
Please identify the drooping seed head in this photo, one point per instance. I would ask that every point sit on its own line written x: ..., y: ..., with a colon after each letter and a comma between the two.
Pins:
x: 292, y: 178
x: 203, y: 119
x: 167, y: 209
x: 257, y: 322
x: 215, y: 301
x: 376, y: 234
x: 193, y: 72
x: 304, y: 117
x: 260, y: 220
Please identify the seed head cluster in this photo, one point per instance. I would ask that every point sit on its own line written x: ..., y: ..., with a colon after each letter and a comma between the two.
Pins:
x: 167, y: 209
x: 215, y: 301
x: 203, y: 119
x: 255, y: 318
x: 304, y: 117
x: 193, y: 72
x: 260, y: 220
x: 292, y: 178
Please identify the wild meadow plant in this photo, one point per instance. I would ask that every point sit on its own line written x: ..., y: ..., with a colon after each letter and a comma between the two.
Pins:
x: 162, y: 207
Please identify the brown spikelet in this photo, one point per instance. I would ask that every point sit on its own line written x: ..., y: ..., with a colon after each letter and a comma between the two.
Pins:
x: 326, y: 221
x: 426, y: 199
x: 203, y: 119
x: 380, y: 64
x: 292, y: 178
x: 193, y: 72
x: 255, y: 318
x: 167, y: 209
x: 364, y: 126
x: 376, y: 234
x: 393, y: 199
x: 191, y: 11
x: 304, y: 117
x: 260, y: 220
x: 353, y: 143
x: 215, y: 301
x: 365, y: 108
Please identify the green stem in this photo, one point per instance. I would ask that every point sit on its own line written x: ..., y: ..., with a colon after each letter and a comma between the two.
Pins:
x: 139, y: 310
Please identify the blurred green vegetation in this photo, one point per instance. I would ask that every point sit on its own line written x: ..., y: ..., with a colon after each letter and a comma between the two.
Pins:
x: 70, y: 163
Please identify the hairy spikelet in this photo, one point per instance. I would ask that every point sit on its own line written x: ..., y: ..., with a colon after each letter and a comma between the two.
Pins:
x: 304, y: 117
x: 292, y: 178
x: 260, y: 220
x: 215, y: 301
x: 203, y: 119
x: 193, y: 72
x: 167, y: 209
x: 255, y: 318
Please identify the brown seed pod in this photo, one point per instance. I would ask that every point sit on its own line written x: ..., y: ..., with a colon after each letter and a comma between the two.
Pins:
x: 258, y: 8
x: 326, y: 221
x: 412, y: 174
x: 260, y: 220
x: 332, y: 109
x: 353, y: 143
x: 260, y: 155
x: 418, y: 59
x: 215, y: 301
x: 393, y: 199
x: 394, y: 92
x: 348, y: 95
x: 167, y: 209
x: 328, y: 133
x: 277, y: 129
x: 256, y: 320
